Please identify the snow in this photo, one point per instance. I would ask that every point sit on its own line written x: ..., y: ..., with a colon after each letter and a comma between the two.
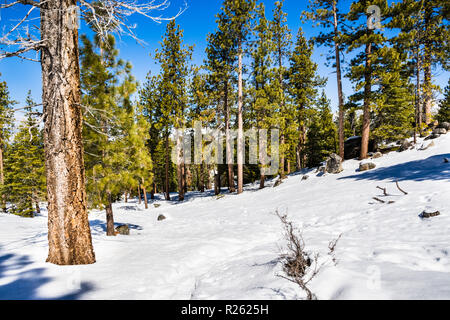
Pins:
x: 228, y: 248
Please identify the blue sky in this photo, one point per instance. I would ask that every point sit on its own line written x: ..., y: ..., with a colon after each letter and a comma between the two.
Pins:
x: 197, y: 21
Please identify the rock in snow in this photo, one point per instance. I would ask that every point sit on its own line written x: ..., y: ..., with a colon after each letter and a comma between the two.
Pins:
x: 334, y: 164
x: 364, y: 166
x: 123, y: 230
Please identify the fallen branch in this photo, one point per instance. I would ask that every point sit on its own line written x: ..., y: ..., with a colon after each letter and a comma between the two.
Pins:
x: 384, y: 190
x: 375, y: 198
x: 396, y: 183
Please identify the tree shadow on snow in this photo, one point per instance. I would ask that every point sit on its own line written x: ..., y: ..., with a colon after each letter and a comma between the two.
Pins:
x: 431, y: 168
x: 27, y: 282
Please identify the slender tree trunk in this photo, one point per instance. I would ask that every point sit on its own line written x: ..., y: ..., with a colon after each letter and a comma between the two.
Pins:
x: 367, y: 96
x: 109, y: 217
x: 69, y: 234
x: 126, y: 197
x: 418, y: 125
x: 217, y: 182
x: 282, y: 138
x: 167, y: 168
x: 301, y: 157
x: 229, y: 150
x: 139, y: 193
x: 144, y: 191
x: 2, y: 176
x: 339, y: 82
x: 180, y: 171
x: 240, y: 142
x: 282, y: 173
x: 427, y: 84
x: 152, y: 195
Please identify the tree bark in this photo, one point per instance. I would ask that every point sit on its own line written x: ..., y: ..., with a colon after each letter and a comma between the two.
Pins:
x: 139, y: 193
x: 167, y: 194
x: 152, y: 195
x: 240, y: 139
x: 339, y: 82
x: 217, y: 183
x: 366, y: 112
x: 418, y: 107
x: 109, y: 217
x: 229, y: 151
x: 427, y: 83
x: 144, y: 191
x: 69, y: 234
x: 282, y: 138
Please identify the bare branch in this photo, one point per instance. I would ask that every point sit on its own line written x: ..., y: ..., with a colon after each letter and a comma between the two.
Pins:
x: 398, y: 187
x: 384, y: 190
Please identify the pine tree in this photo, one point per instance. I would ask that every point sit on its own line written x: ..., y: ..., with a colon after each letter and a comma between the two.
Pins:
x: 322, y: 133
x: 25, y: 182
x: 361, y: 72
x: 303, y: 83
x: 6, y: 126
x: 240, y: 13
x: 220, y: 63
x: 114, y: 133
x: 393, y: 114
x: 444, y: 106
x: 173, y: 58
x: 326, y: 14
x: 200, y: 110
x: 263, y: 93
x: 282, y: 42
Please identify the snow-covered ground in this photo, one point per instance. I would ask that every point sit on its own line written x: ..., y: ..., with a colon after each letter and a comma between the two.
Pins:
x: 228, y: 248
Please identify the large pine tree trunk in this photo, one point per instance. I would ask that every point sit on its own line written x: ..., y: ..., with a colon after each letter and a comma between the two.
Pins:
x: 339, y: 83
x: 366, y: 112
x: 240, y: 139
x: 109, y: 217
x: 69, y: 234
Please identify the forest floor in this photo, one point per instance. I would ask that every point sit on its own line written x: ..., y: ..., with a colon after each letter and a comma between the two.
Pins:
x: 228, y: 248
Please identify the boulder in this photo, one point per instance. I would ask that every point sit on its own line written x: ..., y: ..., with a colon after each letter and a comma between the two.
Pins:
x: 439, y: 131
x: 432, y: 136
x: 305, y: 177
x: 425, y: 214
x: 352, y: 147
x: 377, y: 155
x: 334, y: 164
x: 444, y: 125
x: 123, y: 230
x: 161, y: 217
x: 364, y: 166
x: 405, y: 145
x: 278, y: 182
x: 156, y: 205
